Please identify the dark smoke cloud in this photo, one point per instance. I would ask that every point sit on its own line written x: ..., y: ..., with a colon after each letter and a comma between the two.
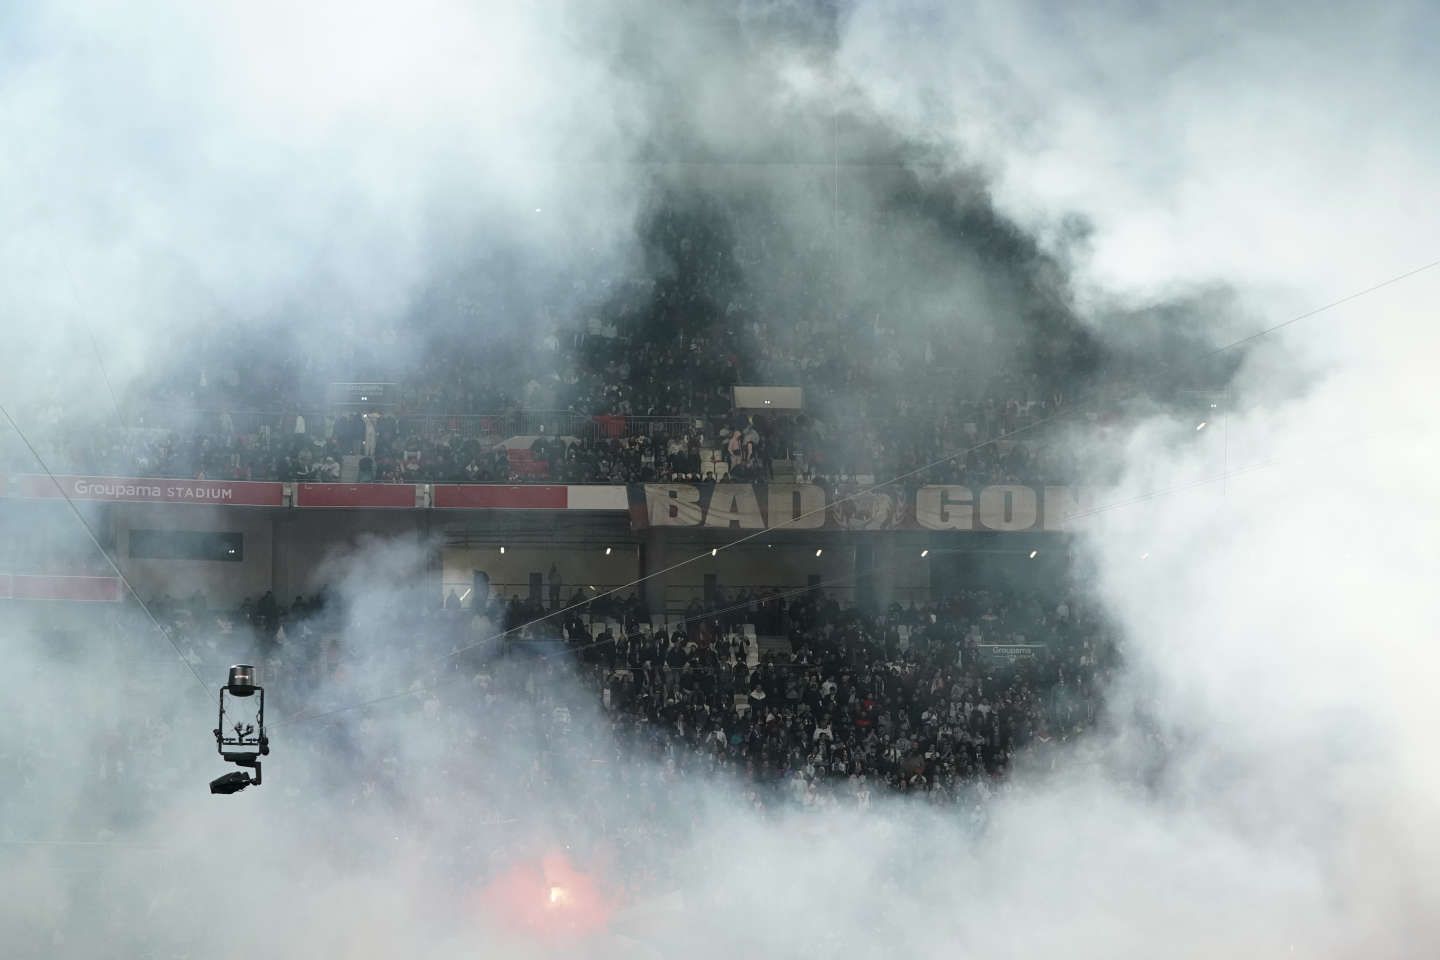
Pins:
x: 780, y: 193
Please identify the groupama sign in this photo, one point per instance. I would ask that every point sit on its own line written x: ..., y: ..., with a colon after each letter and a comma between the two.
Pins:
x: 219, y: 492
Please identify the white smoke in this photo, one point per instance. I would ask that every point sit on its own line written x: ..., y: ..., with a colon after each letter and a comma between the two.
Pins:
x: 1277, y: 620
x: 1264, y: 784
x: 174, y: 172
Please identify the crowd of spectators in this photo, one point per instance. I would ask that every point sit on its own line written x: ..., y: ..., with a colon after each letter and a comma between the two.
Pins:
x: 909, y: 700
x: 738, y: 447
x: 930, y: 698
x: 603, y: 403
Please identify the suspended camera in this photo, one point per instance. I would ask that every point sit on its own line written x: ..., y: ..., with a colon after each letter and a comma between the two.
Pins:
x: 241, y: 742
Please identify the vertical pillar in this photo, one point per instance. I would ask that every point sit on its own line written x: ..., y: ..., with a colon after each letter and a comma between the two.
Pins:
x: 654, y: 556
x: 882, y: 571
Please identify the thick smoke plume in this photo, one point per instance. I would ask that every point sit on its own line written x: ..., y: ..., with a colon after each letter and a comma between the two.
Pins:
x: 1085, y: 192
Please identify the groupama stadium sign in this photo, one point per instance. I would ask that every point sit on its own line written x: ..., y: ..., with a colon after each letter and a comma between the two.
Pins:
x: 803, y: 506
x: 244, y: 493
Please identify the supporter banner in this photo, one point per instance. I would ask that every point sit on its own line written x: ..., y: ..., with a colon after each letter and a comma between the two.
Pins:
x: 245, y: 493
x: 45, y: 587
x: 743, y: 506
x: 1009, y: 653
x: 389, y: 495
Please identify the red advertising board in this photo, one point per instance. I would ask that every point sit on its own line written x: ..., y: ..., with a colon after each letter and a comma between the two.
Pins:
x: 394, y: 495
x: 495, y: 497
x: 225, y: 493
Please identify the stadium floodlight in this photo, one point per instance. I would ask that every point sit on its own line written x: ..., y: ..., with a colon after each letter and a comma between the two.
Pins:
x: 243, y: 742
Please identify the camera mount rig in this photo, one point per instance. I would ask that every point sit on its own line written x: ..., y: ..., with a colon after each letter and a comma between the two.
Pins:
x: 244, y: 743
